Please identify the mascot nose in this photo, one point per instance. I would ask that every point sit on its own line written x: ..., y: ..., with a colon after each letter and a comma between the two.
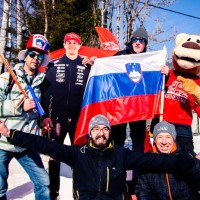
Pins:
x: 191, y: 45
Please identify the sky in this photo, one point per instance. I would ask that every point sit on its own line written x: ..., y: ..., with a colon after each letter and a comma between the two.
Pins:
x: 182, y: 24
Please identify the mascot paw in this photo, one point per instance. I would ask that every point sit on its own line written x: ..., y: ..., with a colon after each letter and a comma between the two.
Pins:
x: 189, y: 85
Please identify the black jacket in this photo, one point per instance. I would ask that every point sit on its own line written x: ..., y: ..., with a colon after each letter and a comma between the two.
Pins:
x: 63, y: 87
x: 98, y: 174
x: 179, y: 185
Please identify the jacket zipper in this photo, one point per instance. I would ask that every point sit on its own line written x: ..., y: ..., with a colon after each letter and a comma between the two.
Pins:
x: 99, y: 175
x: 107, y: 179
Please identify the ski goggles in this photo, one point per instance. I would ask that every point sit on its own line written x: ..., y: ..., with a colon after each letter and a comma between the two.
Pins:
x: 40, y: 56
x: 141, y: 40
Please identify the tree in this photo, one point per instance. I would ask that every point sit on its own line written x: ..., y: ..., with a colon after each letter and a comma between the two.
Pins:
x: 124, y: 16
x: 4, y: 27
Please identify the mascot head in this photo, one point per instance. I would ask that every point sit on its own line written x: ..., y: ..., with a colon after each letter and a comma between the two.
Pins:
x: 186, y: 54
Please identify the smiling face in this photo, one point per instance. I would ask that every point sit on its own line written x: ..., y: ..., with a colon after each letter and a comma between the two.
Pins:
x: 164, y: 142
x: 186, y: 54
x: 100, y: 135
x: 71, y: 48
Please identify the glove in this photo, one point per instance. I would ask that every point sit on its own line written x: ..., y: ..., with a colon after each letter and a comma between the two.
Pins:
x: 184, y: 162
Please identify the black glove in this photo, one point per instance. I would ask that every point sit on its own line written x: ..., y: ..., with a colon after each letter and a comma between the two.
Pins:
x: 184, y: 162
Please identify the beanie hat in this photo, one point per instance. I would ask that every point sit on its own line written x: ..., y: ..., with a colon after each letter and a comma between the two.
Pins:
x: 142, y: 33
x: 37, y: 42
x: 98, y: 120
x: 72, y: 36
x: 164, y: 127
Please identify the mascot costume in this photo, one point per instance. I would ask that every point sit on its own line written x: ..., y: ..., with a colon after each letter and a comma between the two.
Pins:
x: 182, y: 91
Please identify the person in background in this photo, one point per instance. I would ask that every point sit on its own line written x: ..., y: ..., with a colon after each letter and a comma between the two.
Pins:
x: 138, y: 44
x: 99, y: 166
x: 62, y: 95
x: 166, y: 186
x: 24, y: 117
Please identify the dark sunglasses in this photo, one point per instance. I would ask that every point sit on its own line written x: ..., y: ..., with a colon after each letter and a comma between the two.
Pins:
x: 141, y: 40
x: 33, y: 54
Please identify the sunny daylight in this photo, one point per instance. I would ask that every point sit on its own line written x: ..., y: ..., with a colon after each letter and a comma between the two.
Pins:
x: 99, y: 99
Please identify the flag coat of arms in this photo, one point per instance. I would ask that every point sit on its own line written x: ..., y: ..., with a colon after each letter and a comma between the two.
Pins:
x: 123, y: 88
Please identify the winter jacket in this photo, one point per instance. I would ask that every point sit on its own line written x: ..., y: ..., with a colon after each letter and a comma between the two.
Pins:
x: 16, y: 118
x: 63, y: 87
x: 167, y: 186
x: 97, y: 174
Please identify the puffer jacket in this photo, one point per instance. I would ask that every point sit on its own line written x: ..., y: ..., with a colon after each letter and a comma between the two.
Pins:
x: 97, y: 174
x: 176, y: 186
x: 16, y: 118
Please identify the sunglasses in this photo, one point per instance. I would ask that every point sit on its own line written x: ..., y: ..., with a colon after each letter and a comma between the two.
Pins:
x: 33, y: 54
x: 141, y: 40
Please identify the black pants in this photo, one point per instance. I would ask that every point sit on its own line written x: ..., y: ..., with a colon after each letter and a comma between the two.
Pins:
x: 62, y: 126
x: 137, y: 134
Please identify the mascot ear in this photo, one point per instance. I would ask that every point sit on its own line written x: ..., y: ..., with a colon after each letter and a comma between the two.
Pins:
x: 180, y: 36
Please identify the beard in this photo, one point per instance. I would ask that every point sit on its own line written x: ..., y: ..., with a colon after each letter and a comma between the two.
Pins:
x: 100, y: 145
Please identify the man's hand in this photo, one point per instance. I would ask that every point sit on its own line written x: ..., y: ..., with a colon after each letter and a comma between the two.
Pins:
x: 87, y: 60
x: 47, y: 123
x: 28, y: 105
x: 165, y: 70
x: 3, y: 129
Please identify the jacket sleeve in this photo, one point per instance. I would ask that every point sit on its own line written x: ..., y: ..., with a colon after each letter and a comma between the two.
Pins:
x: 193, y: 176
x: 47, y: 88
x: 43, y: 145
x: 160, y: 163
x: 7, y: 106
x: 142, y: 189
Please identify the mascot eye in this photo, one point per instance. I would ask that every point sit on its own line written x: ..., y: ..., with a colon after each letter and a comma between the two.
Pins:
x: 188, y: 39
x: 198, y: 41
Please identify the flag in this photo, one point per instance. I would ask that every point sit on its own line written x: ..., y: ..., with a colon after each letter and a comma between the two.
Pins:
x: 107, y: 39
x: 123, y: 88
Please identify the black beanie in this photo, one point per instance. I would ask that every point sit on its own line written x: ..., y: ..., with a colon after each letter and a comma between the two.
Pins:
x: 142, y: 33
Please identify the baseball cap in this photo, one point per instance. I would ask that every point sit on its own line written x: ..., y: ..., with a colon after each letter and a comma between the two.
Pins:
x: 37, y: 42
x: 72, y: 36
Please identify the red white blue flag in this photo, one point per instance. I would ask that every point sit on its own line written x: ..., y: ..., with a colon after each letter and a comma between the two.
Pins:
x: 123, y: 88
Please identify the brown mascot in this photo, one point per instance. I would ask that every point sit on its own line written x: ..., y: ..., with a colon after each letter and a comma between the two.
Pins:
x: 182, y: 88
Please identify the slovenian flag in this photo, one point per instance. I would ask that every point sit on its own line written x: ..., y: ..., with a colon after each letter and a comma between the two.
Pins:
x: 123, y: 88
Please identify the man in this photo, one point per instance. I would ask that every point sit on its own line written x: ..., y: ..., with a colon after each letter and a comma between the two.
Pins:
x: 138, y: 44
x: 62, y: 94
x: 25, y: 117
x: 99, y: 167
x: 177, y: 186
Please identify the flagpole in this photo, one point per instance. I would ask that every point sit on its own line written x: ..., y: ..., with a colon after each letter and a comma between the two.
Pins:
x: 163, y: 88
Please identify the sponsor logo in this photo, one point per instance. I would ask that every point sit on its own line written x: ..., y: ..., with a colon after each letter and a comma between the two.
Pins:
x: 110, y: 46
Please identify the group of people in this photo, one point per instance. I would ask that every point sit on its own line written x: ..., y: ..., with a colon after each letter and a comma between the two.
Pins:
x: 100, y: 165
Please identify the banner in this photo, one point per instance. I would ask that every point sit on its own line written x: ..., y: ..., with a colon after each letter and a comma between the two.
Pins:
x: 123, y: 88
x: 107, y: 39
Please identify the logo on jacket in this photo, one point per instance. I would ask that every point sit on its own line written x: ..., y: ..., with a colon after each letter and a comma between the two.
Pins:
x: 134, y: 71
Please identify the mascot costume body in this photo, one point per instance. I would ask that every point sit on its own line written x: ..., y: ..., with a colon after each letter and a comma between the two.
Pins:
x: 182, y: 91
